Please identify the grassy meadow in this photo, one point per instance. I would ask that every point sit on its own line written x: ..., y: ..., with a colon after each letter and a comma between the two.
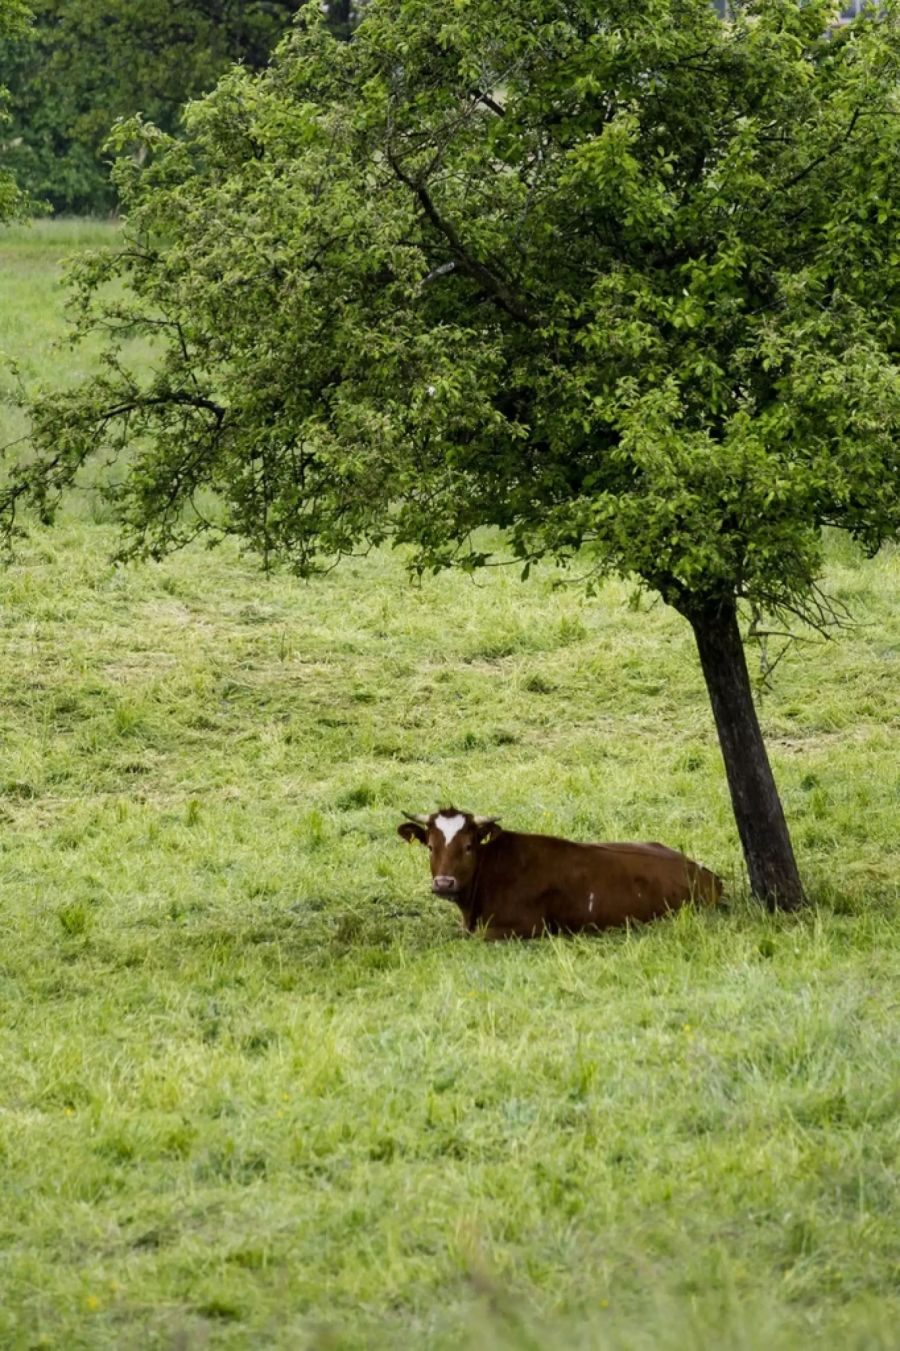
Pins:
x: 257, y: 1090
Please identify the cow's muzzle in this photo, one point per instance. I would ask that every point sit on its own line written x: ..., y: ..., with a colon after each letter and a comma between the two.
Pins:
x: 444, y: 886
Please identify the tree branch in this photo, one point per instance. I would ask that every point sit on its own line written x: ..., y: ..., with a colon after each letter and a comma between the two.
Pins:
x: 826, y: 154
x: 180, y: 399
x: 492, y: 284
x: 481, y: 97
x: 444, y: 270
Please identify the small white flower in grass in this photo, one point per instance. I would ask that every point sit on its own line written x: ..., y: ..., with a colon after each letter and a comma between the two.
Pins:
x: 432, y: 391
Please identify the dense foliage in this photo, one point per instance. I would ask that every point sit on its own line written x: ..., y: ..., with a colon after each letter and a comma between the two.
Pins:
x: 619, y: 279
x: 13, y: 18
x: 93, y: 61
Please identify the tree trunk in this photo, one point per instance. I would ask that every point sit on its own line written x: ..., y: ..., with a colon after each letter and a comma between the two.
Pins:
x: 774, y: 877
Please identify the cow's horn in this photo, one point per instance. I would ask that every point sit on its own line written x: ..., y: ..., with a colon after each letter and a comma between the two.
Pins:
x: 417, y: 820
x: 482, y: 821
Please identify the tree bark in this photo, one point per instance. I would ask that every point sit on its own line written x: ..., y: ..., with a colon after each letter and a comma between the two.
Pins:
x: 768, y: 851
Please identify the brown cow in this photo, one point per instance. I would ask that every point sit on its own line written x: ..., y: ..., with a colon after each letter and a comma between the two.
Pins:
x: 522, y: 886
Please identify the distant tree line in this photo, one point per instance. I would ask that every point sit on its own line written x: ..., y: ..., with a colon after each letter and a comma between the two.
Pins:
x: 85, y: 63
x: 13, y: 22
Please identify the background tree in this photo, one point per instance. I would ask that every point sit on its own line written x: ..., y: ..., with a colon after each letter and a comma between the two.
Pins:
x: 13, y: 25
x: 90, y: 62
x: 619, y: 279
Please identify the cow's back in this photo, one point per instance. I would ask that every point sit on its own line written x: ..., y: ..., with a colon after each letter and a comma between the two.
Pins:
x: 529, y: 884
x: 643, y: 881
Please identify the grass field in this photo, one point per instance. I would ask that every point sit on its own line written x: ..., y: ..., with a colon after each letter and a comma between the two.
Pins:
x: 257, y: 1090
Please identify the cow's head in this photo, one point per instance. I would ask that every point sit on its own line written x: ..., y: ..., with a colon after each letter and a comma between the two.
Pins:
x: 454, y: 839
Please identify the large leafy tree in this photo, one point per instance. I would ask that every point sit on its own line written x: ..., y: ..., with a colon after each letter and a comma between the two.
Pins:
x: 620, y: 279
x: 89, y: 62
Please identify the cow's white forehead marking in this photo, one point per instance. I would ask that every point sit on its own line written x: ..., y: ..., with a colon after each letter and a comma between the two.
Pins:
x: 449, y: 825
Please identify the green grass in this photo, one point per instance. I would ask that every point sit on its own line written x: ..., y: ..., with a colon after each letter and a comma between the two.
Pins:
x: 31, y: 264
x: 257, y: 1090
x: 32, y: 334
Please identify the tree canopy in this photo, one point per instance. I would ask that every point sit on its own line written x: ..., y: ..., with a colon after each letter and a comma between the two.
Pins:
x: 619, y: 279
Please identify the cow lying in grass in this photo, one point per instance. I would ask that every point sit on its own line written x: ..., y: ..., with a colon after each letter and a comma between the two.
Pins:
x: 522, y: 886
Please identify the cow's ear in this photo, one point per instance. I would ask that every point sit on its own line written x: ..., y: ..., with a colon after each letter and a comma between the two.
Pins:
x: 411, y: 830
x: 489, y: 831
